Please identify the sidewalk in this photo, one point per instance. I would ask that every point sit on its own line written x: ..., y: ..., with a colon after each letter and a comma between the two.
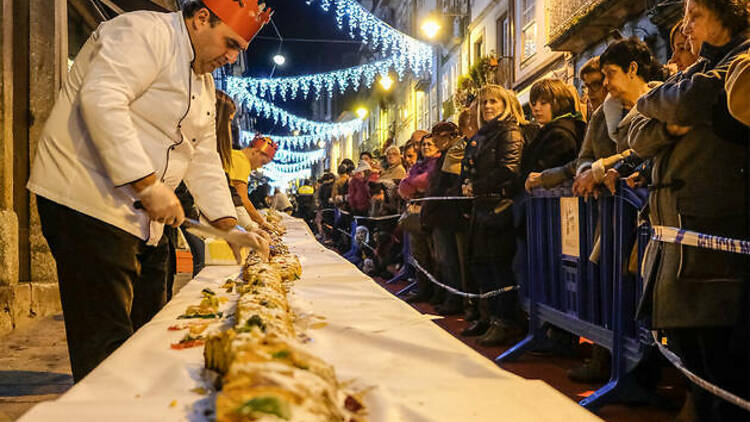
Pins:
x: 35, y: 368
x: 34, y: 363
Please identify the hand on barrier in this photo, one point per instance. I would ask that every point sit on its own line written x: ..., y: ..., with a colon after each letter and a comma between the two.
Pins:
x: 635, y: 180
x: 161, y: 204
x: 677, y: 130
x: 610, y: 180
x: 467, y: 189
x: 534, y: 180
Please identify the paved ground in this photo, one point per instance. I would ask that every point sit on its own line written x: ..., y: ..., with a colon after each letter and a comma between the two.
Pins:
x: 34, y: 364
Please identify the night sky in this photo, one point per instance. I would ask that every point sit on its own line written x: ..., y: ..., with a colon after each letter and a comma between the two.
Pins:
x: 295, y: 19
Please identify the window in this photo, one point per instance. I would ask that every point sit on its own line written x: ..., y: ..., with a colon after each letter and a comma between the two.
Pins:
x: 528, y: 29
x: 478, y: 45
x: 504, y: 37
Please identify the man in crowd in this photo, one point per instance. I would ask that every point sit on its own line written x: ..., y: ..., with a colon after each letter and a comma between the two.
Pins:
x: 134, y: 118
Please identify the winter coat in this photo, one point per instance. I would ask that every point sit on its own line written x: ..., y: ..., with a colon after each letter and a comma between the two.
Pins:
x: 415, y: 183
x: 556, y: 144
x: 443, y: 214
x: 699, y: 184
x: 596, y: 144
x: 392, y: 173
x: 492, y: 165
x: 359, y: 196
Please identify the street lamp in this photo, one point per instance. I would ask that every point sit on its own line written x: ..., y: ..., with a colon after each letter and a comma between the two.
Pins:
x: 361, y: 113
x: 279, y: 59
x: 386, y: 82
x: 430, y: 27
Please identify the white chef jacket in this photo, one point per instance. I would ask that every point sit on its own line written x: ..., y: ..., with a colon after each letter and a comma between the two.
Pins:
x: 132, y: 106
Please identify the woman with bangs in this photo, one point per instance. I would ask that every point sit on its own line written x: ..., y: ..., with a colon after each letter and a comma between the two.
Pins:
x: 491, y: 168
x: 554, y: 106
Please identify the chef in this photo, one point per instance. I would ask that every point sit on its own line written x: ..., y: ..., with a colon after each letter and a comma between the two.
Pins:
x: 134, y: 118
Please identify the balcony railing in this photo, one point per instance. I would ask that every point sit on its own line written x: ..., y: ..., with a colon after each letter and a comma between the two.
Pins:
x: 564, y: 14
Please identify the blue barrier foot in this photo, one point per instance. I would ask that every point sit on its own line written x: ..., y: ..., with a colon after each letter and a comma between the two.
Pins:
x: 625, y: 390
x: 406, y: 272
x: 407, y: 289
x: 517, y: 350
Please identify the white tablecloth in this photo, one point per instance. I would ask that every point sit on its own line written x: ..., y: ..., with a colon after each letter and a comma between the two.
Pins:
x: 414, y: 370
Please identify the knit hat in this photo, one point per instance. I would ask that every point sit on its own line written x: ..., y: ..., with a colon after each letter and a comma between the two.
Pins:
x: 245, y: 17
x: 738, y: 88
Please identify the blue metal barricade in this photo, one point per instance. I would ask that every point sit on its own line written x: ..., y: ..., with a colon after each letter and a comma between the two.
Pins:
x: 563, y: 287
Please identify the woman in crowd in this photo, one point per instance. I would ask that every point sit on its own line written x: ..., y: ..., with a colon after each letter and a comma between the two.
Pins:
x: 682, y: 56
x: 491, y: 166
x: 443, y: 219
x: 394, y: 169
x: 414, y: 186
x: 553, y: 105
x: 699, y: 181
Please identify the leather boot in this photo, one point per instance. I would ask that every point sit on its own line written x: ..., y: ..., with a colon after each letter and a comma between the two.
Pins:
x: 417, y: 296
x: 500, y: 333
x: 453, y: 305
x: 476, y: 328
x: 594, y: 370
x: 471, y: 313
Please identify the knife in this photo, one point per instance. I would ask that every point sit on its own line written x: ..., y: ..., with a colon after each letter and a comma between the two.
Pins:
x: 197, y: 228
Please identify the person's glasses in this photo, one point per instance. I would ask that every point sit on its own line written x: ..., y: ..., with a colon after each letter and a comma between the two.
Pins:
x: 595, y: 86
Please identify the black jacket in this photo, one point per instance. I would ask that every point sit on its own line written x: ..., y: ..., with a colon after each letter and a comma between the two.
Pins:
x: 492, y: 165
x: 446, y: 214
x: 556, y: 143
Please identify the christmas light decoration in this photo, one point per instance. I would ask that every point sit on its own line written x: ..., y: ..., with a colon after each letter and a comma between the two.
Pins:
x: 296, y: 86
x: 377, y: 34
x: 280, y: 176
x: 253, y: 104
x: 286, y: 156
x: 285, y: 142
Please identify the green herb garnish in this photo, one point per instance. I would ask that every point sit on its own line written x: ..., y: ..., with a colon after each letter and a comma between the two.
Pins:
x: 266, y: 404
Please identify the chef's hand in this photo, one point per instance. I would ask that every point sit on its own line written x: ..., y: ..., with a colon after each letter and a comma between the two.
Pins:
x: 238, y: 239
x: 267, y: 226
x: 161, y: 203
x: 264, y: 234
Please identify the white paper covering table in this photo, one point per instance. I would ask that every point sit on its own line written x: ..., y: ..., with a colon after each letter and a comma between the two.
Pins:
x: 417, y: 371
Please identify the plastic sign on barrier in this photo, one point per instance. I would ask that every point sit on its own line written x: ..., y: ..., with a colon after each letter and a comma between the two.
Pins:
x: 569, y: 236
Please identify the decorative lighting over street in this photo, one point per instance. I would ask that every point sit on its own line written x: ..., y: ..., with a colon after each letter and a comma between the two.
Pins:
x: 361, y: 112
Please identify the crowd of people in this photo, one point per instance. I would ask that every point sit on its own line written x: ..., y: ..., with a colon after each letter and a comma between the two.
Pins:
x: 678, y: 131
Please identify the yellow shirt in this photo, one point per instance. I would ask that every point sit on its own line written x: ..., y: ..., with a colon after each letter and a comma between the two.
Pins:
x: 240, y: 167
x: 306, y: 190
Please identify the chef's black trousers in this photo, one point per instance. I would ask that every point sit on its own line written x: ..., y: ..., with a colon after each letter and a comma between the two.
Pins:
x: 110, y: 282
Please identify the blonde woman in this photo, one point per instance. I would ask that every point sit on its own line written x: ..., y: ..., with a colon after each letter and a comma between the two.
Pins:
x: 491, y: 166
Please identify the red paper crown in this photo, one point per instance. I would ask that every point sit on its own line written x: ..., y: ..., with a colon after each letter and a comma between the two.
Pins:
x: 265, y: 145
x: 246, y: 17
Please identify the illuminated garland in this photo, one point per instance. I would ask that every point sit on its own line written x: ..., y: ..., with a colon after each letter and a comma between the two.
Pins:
x: 292, y: 87
x: 286, y: 156
x: 288, y: 168
x: 378, y: 34
x: 280, y: 176
x: 285, y: 142
x: 261, y: 107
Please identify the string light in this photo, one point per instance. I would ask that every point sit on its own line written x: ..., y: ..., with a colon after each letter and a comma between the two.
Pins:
x: 296, y: 86
x: 285, y: 142
x: 378, y: 34
x: 260, y: 107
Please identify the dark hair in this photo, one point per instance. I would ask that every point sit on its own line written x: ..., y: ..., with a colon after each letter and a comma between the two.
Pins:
x: 623, y: 52
x: 376, y: 188
x: 445, y: 128
x: 733, y: 14
x: 191, y: 7
x: 367, y: 153
x: 225, y: 107
x: 592, y: 65
x: 346, y: 167
x: 555, y: 92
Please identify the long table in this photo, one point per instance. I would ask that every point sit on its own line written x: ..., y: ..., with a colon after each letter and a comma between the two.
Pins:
x: 412, y: 370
